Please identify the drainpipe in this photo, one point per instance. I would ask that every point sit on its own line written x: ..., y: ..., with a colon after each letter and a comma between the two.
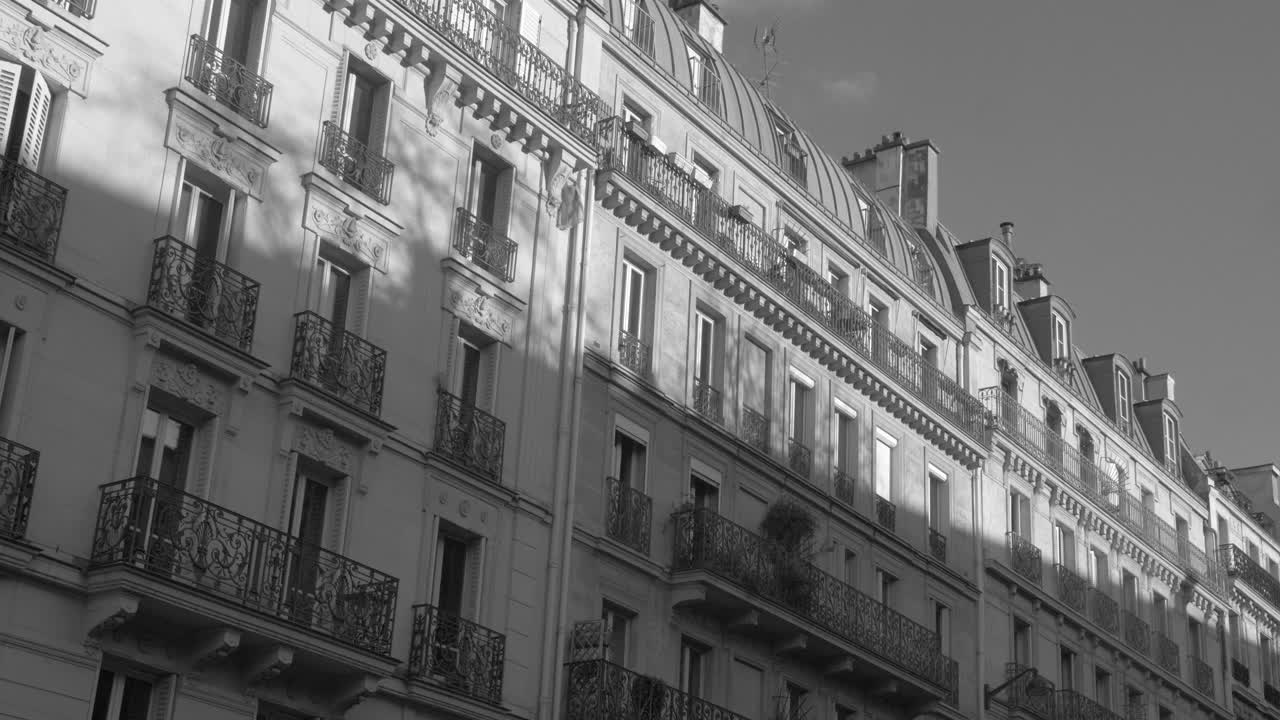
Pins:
x: 979, y: 524
x: 566, y: 463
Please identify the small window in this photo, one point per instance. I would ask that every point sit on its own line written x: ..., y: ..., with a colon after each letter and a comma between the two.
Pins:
x: 120, y: 696
x: 630, y: 459
x: 1160, y: 613
x: 1022, y: 643
x: 999, y: 285
x: 879, y: 312
x: 1124, y: 404
x: 1066, y: 669
x: 1102, y: 687
x: 886, y: 586
x: 1061, y: 340
x: 884, y: 465
x: 339, y: 291
x: 693, y: 667
x: 618, y: 630
x: 796, y: 242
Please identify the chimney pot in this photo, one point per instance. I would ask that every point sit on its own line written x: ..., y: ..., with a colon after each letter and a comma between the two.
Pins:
x: 1006, y: 232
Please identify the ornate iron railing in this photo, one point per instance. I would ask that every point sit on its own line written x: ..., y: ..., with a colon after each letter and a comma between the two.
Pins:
x: 228, y: 81
x: 1020, y: 695
x: 1237, y: 497
x: 628, y: 515
x: 1105, y: 611
x: 638, y: 26
x: 1240, y: 566
x: 477, y: 241
x: 203, y: 292
x: 1072, y: 589
x: 1271, y: 694
x: 1025, y: 557
x: 18, y: 465
x: 464, y: 656
x: 31, y: 209
x: 162, y: 531
x: 754, y: 248
x: 755, y: 429
x: 600, y: 690
x: 799, y: 457
x: 634, y: 354
x: 514, y: 61
x: 707, y: 541
x: 356, y: 163
x: 1135, y: 708
x: 845, y: 487
x: 1167, y: 654
x: 1071, y: 705
x: 338, y: 362
x: 1137, y: 633
x: 83, y: 8
x: 708, y: 402
x: 1201, y: 676
x: 1239, y: 672
x: 937, y: 545
x: 886, y: 514
x: 1177, y: 549
x: 469, y: 436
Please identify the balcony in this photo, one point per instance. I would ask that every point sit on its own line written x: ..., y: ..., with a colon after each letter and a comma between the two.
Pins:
x: 1025, y: 558
x: 469, y: 436
x: 1201, y: 676
x: 755, y: 429
x: 1167, y: 654
x: 886, y: 514
x: 1071, y: 705
x: 1019, y: 696
x: 156, y: 530
x: 600, y: 690
x: 338, y: 363
x: 707, y: 402
x: 18, y: 464
x: 1175, y: 547
x: 628, y: 515
x: 1072, y: 589
x: 228, y: 81
x: 1104, y: 611
x: 1240, y: 566
x: 638, y: 26
x: 732, y: 570
x: 356, y: 163
x: 1238, y: 498
x: 937, y: 545
x: 634, y: 353
x: 31, y: 209
x: 1240, y: 672
x: 477, y: 241
x: 1137, y: 634
x: 199, y: 290
x: 535, y: 76
x: 465, y: 657
x: 844, y: 487
x: 678, y: 193
x: 799, y: 458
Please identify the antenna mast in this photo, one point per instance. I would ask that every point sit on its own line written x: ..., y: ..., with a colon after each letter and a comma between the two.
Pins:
x: 766, y: 41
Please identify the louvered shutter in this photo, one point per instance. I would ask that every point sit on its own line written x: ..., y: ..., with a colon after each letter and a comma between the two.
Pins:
x: 37, y: 119
x: 339, y: 495
x: 163, y: 693
x: 340, y: 92
x: 379, y: 123
x: 205, y: 444
x: 475, y: 580
x: 754, y: 382
x: 10, y: 77
x: 358, y: 304
x: 286, y: 500
x: 489, y: 377
x: 502, y: 201
x: 530, y: 24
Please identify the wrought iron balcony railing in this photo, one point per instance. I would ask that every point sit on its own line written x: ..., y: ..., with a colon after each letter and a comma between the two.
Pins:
x: 937, y: 545
x: 514, y: 61
x: 1021, y: 697
x: 628, y: 515
x: 844, y: 487
x: 469, y: 436
x: 1240, y: 566
x: 799, y: 457
x: 31, y: 209
x: 1026, y: 558
x: 1239, y: 672
x: 886, y: 514
x: 708, y: 402
x: 709, y: 542
x: 159, y: 530
x: 1135, y: 709
x: 638, y: 26
x: 228, y: 81
x: 1167, y: 654
x: 1072, y: 589
x: 477, y: 241
x: 356, y: 163
x: 1137, y: 634
x: 755, y: 429
x: 755, y: 249
x: 1176, y: 548
x: 338, y: 362
x: 83, y: 8
x: 204, y: 292
x: 1201, y: 676
x: 1105, y: 610
x: 634, y: 353
x: 600, y: 690
x: 1271, y: 694
x: 18, y: 465
x: 1071, y: 705
x: 1237, y: 497
x: 464, y: 656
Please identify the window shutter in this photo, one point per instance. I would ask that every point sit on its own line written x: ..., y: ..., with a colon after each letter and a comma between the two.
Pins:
x: 206, y: 441
x: 475, y: 580
x: 162, y: 697
x: 358, y: 304
x: 379, y: 124
x: 340, y: 92
x: 502, y: 203
x: 489, y: 376
x: 10, y: 76
x: 340, y: 494
x: 286, y: 497
x: 754, y: 382
x: 530, y: 24
x: 37, y: 118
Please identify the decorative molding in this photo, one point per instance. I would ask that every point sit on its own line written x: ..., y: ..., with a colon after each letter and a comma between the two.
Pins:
x: 443, y: 89
x: 351, y: 692
x: 323, y: 446
x: 348, y: 227
x: 266, y: 666
x: 474, y: 307
x: 46, y: 52
x: 213, y: 646
x: 106, y: 613
x: 217, y: 155
x: 186, y: 381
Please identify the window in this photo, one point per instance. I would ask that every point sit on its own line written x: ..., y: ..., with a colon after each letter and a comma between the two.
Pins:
x: 1234, y: 638
x: 121, y: 697
x: 878, y: 311
x: 1165, y: 713
x: 794, y: 157
x: 794, y: 702
x: 839, y: 280
x: 629, y: 460
x: 1064, y: 546
x: 1124, y: 405
x: 801, y: 412
x: 315, y: 523
x: 942, y: 626
x: 25, y: 99
x: 705, y: 82
x: 850, y: 568
x: 1000, y: 285
x: 474, y: 367
x: 1022, y: 643
x: 452, y: 582
x: 928, y: 352
x: 1224, y: 534
x: 846, y: 443
x: 11, y: 340
x: 1067, y: 669
x: 1134, y: 703
x: 754, y: 207
x: 886, y: 584
x: 707, y: 175
x: 233, y: 27
x: 705, y: 494
x: 693, y: 667
x: 366, y: 105
x: 203, y: 218
x: 1129, y: 592
x: 706, y: 354
x: 938, y: 503
x: 618, y: 628
x: 757, y: 376
x: 165, y: 449
x: 1170, y: 442
x: 884, y: 465
x: 1159, y: 613
x: 635, y: 299
x: 335, y: 288
x: 1019, y: 514
x: 1265, y: 651
x: 633, y: 114
x: 747, y: 697
x: 489, y: 193
x: 844, y: 713
x: 1102, y: 687
x: 1193, y: 638
x: 1060, y: 339
x: 1251, y: 550
x: 1099, y: 575
x: 1182, y: 532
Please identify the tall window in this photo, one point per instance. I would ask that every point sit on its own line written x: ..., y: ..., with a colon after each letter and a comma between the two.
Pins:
x: 204, y: 214
x: 1102, y: 687
x: 1129, y: 591
x: 1060, y: 338
x: 165, y: 448
x: 845, y: 443
x: 886, y: 586
x: 11, y: 340
x: 489, y: 193
x: 618, y: 627
x: 1064, y: 546
x: 999, y: 285
x: 474, y: 368
x: 1124, y: 404
x: 1170, y: 442
x: 706, y: 355
x: 120, y: 696
x: 801, y: 412
x: 230, y: 25
x: 884, y: 465
x: 850, y: 568
x: 1194, y: 638
x: 794, y: 702
x: 938, y: 504
x: 1022, y: 643
x: 331, y: 291
x: 942, y: 626
x: 705, y: 494
x: 1019, y: 514
x: 1159, y: 613
x: 1099, y: 574
x: 635, y: 299
x: 365, y: 105
x: 693, y: 670
x: 1067, y: 669
x: 458, y: 572
x: 630, y: 457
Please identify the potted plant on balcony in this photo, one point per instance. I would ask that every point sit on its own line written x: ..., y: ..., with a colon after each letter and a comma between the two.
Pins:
x: 790, y: 528
x: 648, y: 695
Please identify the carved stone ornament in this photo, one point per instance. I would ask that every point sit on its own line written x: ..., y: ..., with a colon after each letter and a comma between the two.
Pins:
x: 324, y: 447
x: 436, y: 102
x: 371, y: 51
x: 349, y: 232
x: 477, y: 309
x: 38, y: 48
x: 186, y: 381
x: 216, y: 154
x: 497, y: 140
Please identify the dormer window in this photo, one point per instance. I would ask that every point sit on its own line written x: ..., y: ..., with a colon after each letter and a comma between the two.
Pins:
x: 999, y: 286
x: 1170, y: 442
x: 1060, y: 338
x: 706, y: 84
x: 794, y: 159
x: 1124, y: 406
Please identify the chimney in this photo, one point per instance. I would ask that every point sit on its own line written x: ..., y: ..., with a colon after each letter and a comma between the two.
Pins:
x: 1140, y: 371
x: 1160, y: 387
x: 903, y: 175
x: 705, y: 17
x: 1006, y: 233
x: 1029, y: 279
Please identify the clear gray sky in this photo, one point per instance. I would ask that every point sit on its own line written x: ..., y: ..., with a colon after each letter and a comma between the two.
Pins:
x: 1134, y: 143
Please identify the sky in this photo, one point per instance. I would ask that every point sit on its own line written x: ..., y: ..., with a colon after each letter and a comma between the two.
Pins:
x: 1132, y: 142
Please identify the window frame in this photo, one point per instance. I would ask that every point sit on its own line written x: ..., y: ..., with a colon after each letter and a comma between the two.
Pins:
x: 884, y: 439
x: 1060, y: 335
x: 1000, y: 295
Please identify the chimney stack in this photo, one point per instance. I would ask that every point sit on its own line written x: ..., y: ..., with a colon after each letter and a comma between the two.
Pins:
x: 1160, y: 387
x: 1006, y: 233
x: 903, y: 175
x: 704, y: 17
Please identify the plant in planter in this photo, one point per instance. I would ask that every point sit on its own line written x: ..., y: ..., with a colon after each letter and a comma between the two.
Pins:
x: 790, y: 528
x: 648, y: 695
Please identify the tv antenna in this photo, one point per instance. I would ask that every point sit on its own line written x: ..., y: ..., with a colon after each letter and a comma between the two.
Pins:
x: 766, y: 41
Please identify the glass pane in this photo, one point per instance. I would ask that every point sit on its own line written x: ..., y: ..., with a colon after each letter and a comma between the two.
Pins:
x: 360, y: 113
x: 102, y: 696
x: 175, y: 454
x: 470, y: 386
x: 239, y: 29
x: 208, y: 224
x: 147, y: 443
x: 137, y: 699
x: 453, y: 572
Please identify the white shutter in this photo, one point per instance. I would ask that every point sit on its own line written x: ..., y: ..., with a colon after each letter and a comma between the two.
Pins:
x: 10, y: 76
x: 358, y: 302
x: 489, y: 377
x: 339, y: 494
x: 379, y: 124
x: 163, y: 693
x: 503, y: 202
x: 475, y: 580
x: 530, y: 24
x: 340, y: 93
x: 37, y: 118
